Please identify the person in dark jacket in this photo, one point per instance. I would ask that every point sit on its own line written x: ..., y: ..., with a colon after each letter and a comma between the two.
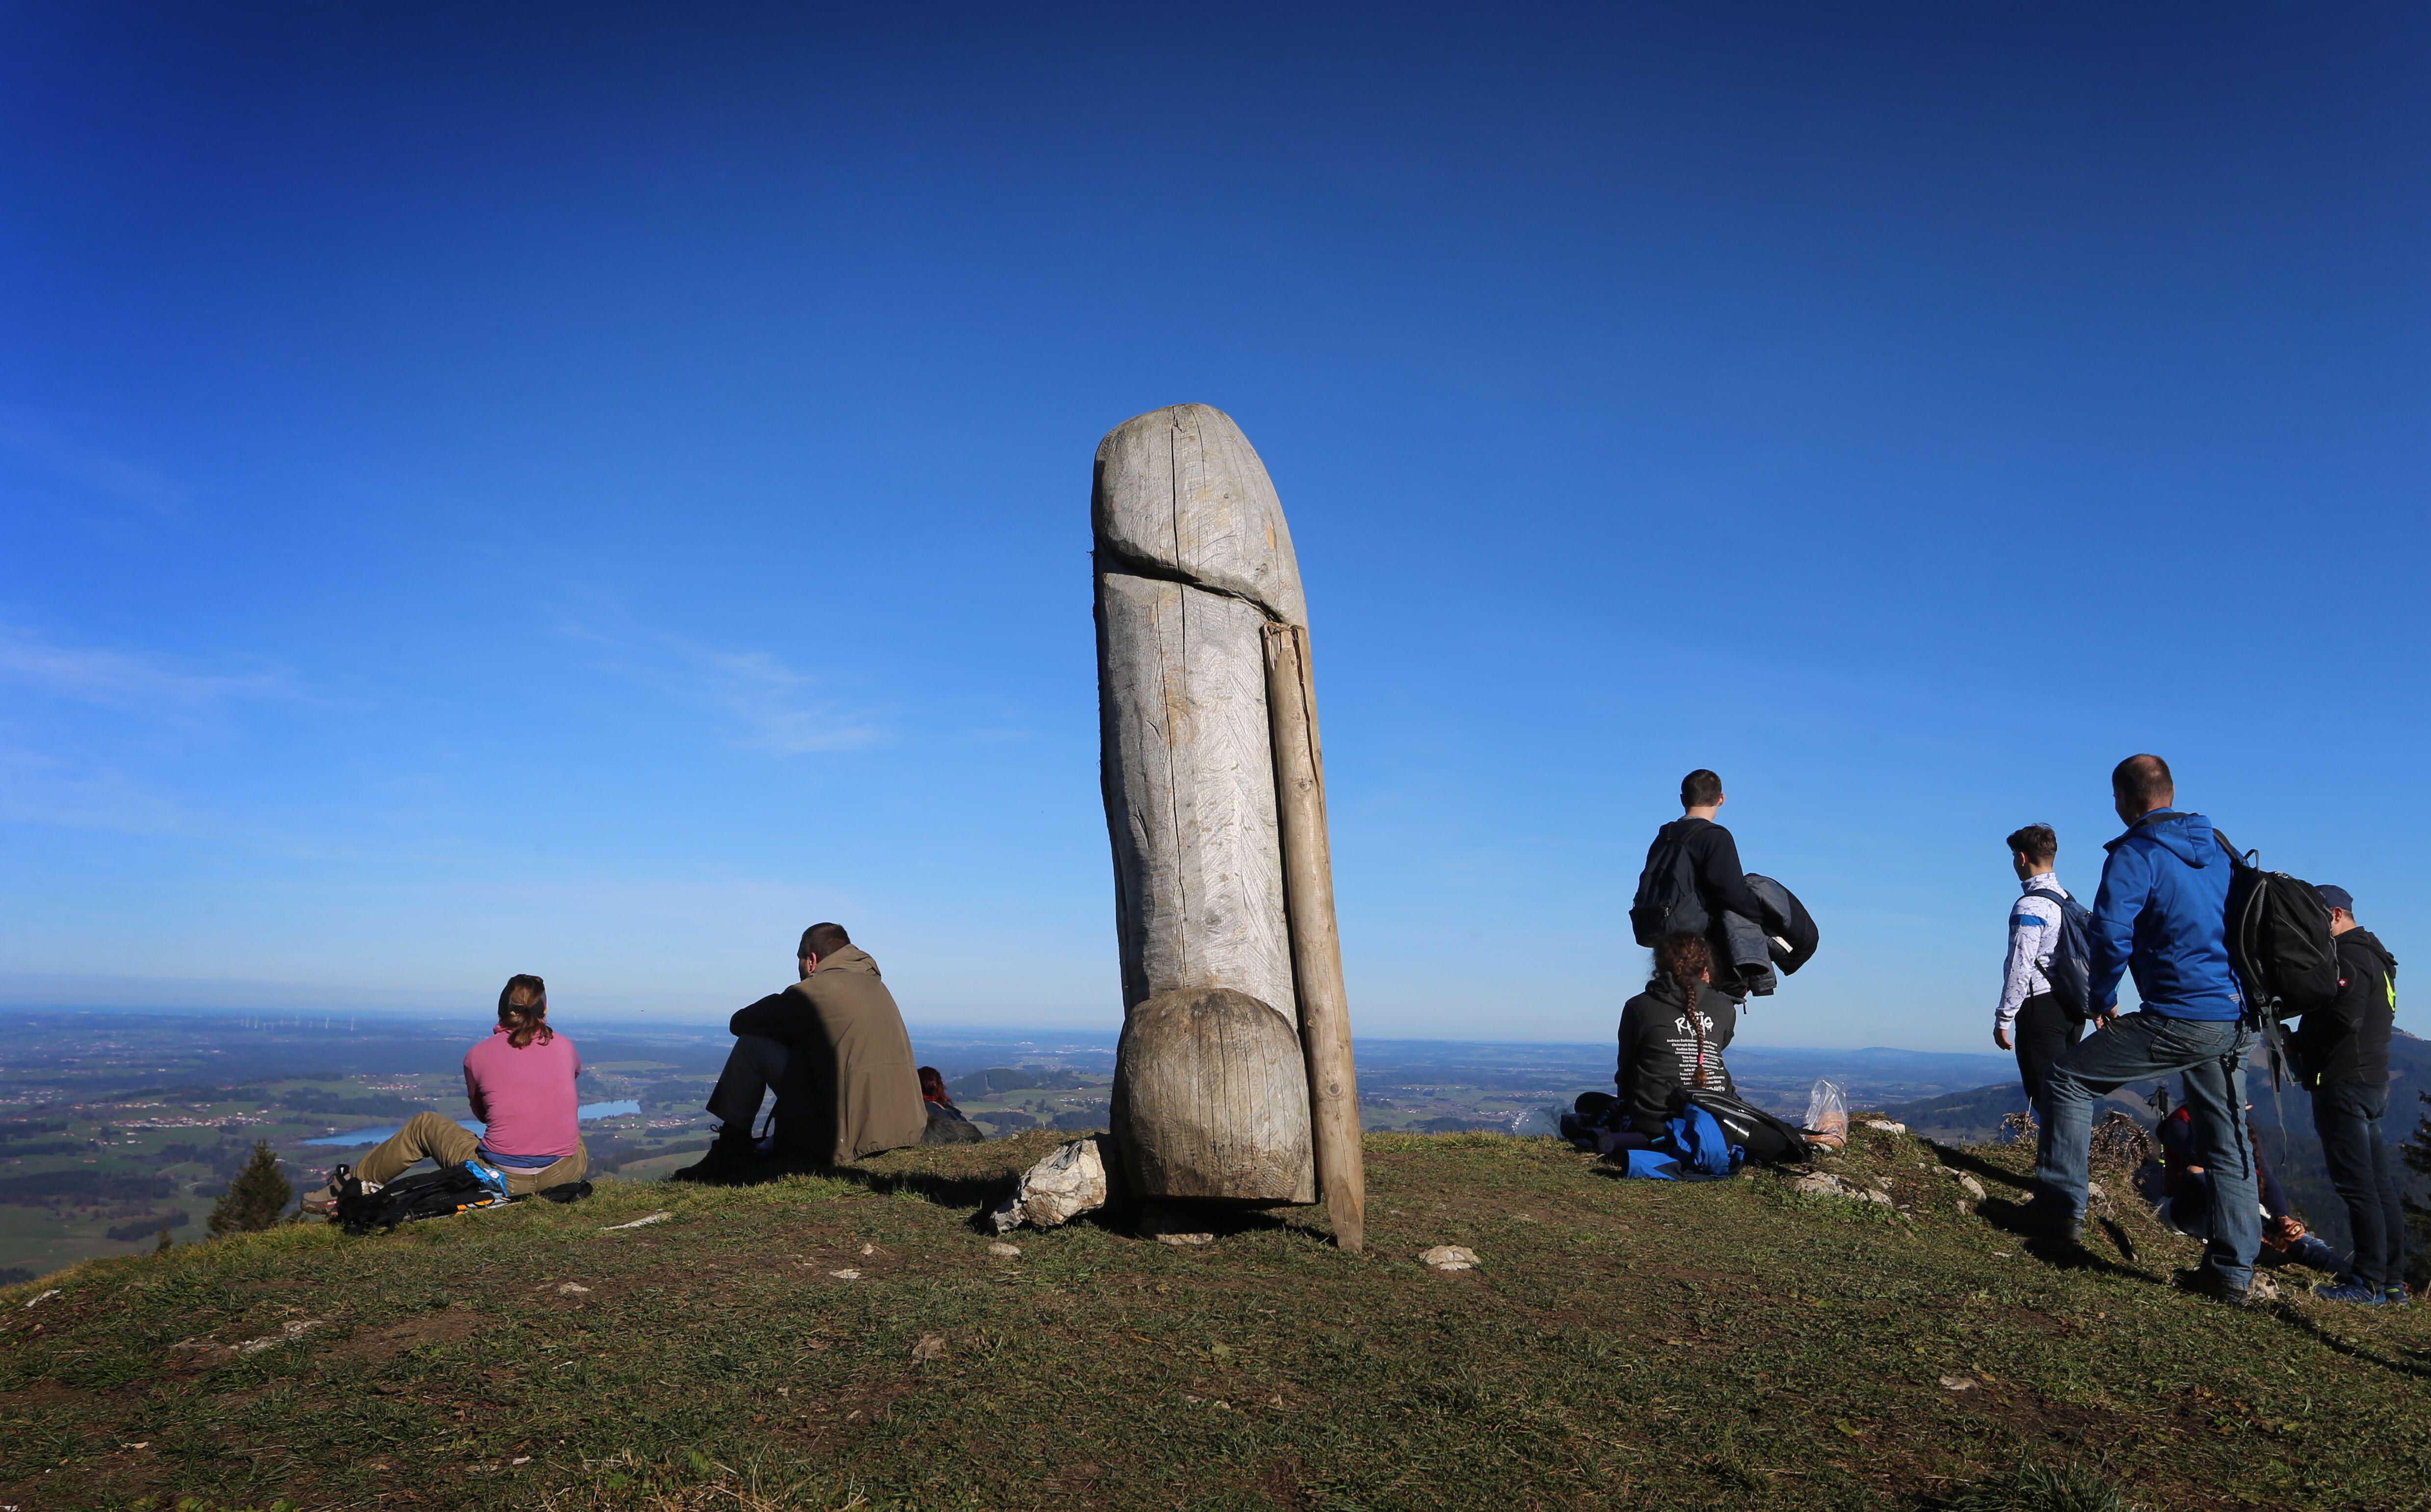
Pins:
x: 948, y: 1124
x: 1672, y: 1036
x: 2344, y: 1051
x: 1721, y: 882
x: 2162, y: 912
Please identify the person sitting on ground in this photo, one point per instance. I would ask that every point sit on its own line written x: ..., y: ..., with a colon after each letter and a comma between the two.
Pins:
x: 520, y: 1081
x: 834, y: 1048
x: 947, y: 1123
x: 2186, y: 1196
x: 1672, y: 1036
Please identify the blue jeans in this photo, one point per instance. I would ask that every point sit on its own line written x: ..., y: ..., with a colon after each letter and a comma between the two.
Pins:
x: 2351, y: 1118
x: 2141, y: 1047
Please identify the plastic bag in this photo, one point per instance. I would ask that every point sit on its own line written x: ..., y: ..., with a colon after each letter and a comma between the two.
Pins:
x: 1827, y: 1113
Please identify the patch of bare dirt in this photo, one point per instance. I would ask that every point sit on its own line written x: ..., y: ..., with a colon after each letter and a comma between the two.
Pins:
x: 375, y: 1344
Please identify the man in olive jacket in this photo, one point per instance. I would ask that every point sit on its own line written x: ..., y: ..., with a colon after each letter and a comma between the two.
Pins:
x: 834, y: 1049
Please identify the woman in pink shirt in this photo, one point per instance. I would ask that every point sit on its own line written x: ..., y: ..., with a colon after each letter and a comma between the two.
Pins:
x: 520, y: 1082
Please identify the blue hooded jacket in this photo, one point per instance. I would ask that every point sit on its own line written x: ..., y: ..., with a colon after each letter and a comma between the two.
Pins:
x: 2163, y: 912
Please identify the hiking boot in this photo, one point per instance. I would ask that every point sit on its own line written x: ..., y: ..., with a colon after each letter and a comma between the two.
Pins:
x: 2350, y: 1290
x: 2044, y: 1219
x: 2397, y: 1296
x: 2204, y: 1282
x: 324, y: 1202
x: 723, y: 1161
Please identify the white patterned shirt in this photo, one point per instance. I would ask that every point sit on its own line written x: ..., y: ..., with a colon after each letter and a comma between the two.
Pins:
x: 2034, y: 932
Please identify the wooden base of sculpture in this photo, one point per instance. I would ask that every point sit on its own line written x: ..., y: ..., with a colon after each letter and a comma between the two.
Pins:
x: 1211, y: 1101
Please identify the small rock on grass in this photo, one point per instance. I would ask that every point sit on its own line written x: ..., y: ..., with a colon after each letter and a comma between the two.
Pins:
x: 1958, y: 1383
x: 572, y: 1289
x: 1178, y: 1240
x: 845, y: 1275
x: 1823, y: 1183
x: 1886, y: 1126
x: 1449, y: 1257
x: 1003, y: 1249
x: 930, y: 1347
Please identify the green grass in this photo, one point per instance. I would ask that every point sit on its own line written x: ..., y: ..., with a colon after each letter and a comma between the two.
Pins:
x: 1623, y: 1344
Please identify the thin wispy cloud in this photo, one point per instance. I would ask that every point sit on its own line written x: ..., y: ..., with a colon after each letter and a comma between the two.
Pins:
x: 36, y: 789
x: 84, y: 470
x: 771, y: 706
x: 130, y: 682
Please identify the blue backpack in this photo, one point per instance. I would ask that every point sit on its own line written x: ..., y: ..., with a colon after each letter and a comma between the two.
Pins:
x: 1698, y: 1151
x: 2069, y: 967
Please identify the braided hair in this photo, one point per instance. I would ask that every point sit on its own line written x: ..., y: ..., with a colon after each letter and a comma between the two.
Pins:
x: 1688, y: 960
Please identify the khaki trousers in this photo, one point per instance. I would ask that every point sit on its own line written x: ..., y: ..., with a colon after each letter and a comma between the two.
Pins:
x: 428, y: 1136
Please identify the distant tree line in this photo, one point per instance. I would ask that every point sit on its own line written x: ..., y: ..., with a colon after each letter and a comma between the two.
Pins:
x: 144, y: 1228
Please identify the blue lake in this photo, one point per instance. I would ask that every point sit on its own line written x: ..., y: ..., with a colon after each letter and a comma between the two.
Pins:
x: 587, y: 1112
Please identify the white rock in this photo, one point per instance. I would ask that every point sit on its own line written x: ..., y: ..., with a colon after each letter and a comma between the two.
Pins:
x: 1178, y: 1240
x: 1823, y: 1183
x: 291, y: 1331
x: 1449, y: 1257
x: 1004, y: 1250
x: 845, y: 1275
x: 572, y: 1289
x: 1069, y: 1182
x: 1886, y: 1126
x: 1973, y: 1189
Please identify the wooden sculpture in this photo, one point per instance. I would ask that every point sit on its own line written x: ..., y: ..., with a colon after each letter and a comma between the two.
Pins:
x: 1233, y: 1082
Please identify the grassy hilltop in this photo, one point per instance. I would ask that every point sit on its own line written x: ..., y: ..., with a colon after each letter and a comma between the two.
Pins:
x: 849, y: 1340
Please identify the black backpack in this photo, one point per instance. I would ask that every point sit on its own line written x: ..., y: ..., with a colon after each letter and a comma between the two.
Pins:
x: 1667, y: 901
x: 2279, y: 936
x: 442, y: 1193
x: 2069, y: 967
x: 1761, y: 1137
x: 2280, y: 945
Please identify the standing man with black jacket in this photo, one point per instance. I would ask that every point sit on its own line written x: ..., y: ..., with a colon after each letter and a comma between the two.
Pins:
x: 2344, y: 1051
x: 1720, y: 881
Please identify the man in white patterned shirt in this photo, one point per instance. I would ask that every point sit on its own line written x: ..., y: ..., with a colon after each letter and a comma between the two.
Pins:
x: 2030, y: 1020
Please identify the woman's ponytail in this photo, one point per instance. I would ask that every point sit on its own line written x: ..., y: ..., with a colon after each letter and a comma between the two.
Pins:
x: 523, y: 1011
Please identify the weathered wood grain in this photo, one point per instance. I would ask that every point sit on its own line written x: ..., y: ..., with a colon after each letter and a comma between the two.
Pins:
x: 1213, y: 1102
x: 1180, y: 494
x: 1316, y: 946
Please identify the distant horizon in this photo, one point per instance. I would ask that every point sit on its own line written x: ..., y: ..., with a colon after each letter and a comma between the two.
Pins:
x: 465, y: 1022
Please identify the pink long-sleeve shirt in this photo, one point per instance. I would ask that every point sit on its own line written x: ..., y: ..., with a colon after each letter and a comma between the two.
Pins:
x: 526, y: 1096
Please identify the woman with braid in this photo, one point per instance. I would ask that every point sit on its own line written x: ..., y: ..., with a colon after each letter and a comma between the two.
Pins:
x: 1671, y: 1036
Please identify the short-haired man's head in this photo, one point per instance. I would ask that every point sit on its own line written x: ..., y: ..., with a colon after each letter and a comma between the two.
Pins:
x: 523, y: 1011
x: 2143, y: 783
x: 1700, y: 787
x: 823, y: 941
x: 2036, y: 843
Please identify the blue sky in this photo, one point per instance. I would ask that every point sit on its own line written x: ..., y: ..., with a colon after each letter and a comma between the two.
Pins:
x: 590, y: 489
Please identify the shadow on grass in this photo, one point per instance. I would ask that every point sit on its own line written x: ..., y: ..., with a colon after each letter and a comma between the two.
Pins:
x: 1957, y: 1159
x: 2297, y: 1319
x: 2033, y: 1231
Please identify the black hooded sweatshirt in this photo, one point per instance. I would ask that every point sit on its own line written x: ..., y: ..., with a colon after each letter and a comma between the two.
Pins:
x: 2347, y: 1040
x: 1659, y: 1049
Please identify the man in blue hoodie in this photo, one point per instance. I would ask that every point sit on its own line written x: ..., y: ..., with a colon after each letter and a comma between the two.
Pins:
x: 2162, y: 913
